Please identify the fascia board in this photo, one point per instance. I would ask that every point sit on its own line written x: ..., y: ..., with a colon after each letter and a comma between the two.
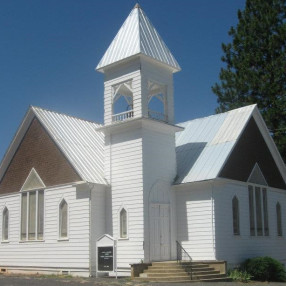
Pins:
x: 270, y: 143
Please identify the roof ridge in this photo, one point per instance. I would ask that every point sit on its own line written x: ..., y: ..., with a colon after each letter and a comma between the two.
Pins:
x: 217, y: 114
x: 61, y: 113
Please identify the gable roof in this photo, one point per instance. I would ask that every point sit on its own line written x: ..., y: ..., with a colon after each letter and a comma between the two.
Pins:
x: 76, y: 138
x: 205, y: 145
x: 137, y: 35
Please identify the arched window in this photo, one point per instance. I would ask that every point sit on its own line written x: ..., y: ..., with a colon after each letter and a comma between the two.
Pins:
x: 123, y: 223
x: 235, y: 215
x: 63, y: 219
x: 122, y: 106
x: 5, y: 224
x: 279, y: 219
x: 157, y: 101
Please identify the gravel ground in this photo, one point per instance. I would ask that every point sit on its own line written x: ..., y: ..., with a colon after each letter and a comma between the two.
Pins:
x: 19, y: 280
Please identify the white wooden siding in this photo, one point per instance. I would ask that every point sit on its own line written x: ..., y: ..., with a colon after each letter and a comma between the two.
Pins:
x: 97, y: 221
x: 237, y: 248
x: 159, y: 170
x: 70, y: 255
x: 195, y: 221
x: 125, y: 174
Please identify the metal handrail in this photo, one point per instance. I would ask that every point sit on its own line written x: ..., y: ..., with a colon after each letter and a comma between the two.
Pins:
x: 183, y: 255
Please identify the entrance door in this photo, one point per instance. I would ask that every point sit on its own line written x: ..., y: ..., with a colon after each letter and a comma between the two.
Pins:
x: 159, y: 232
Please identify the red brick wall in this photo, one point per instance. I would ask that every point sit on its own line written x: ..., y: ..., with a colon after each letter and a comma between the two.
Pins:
x: 37, y: 150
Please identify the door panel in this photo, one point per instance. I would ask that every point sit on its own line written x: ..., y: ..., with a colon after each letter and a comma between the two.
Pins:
x: 159, y: 232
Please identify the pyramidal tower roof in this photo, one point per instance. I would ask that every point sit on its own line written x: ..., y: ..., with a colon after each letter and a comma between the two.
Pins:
x: 137, y: 35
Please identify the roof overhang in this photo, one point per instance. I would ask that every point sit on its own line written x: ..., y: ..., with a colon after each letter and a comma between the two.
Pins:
x: 148, y: 123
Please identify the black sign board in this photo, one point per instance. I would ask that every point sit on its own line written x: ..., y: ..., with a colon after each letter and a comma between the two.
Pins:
x: 105, y: 258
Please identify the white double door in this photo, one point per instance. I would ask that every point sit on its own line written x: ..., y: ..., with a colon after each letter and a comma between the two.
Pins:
x: 159, y: 232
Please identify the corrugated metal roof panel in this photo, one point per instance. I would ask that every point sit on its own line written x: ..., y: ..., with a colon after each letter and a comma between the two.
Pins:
x: 79, y: 142
x: 205, y: 144
x: 137, y: 35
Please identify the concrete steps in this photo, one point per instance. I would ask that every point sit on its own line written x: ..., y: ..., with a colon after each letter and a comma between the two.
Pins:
x: 171, y: 271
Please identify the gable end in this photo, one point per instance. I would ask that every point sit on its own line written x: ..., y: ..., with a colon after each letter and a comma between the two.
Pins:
x: 37, y: 150
x: 250, y: 149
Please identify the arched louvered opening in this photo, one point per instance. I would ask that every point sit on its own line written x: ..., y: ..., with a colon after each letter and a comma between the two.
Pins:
x: 235, y: 215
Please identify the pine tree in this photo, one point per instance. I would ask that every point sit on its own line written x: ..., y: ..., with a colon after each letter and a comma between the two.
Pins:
x: 255, y: 69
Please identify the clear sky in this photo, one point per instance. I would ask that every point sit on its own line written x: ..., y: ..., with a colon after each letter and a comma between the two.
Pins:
x: 49, y: 49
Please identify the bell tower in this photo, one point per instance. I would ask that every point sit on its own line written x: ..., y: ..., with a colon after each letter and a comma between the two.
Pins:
x: 138, y: 69
x: 140, y: 158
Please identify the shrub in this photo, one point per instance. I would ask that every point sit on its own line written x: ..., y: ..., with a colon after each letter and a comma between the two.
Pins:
x: 239, y: 275
x: 265, y: 269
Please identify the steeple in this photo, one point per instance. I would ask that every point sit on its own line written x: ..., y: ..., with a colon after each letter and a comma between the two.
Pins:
x: 137, y: 36
x: 138, y: 72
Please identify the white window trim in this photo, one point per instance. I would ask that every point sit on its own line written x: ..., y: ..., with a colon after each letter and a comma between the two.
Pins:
x: 127, y: 223
x: 27, y: 216
x: 261, y: 187
x: 58, y: 218
x: 6, y: 240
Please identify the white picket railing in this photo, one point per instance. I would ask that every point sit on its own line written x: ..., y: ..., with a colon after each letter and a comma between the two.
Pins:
x: 122, y: 116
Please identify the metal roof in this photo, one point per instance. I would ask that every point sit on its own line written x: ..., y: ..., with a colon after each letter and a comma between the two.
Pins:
x: 205, y: 144
x: 82, y: 145
x: 137, y: 35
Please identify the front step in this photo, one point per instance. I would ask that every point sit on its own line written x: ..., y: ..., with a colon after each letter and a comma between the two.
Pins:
x: 171, y: 271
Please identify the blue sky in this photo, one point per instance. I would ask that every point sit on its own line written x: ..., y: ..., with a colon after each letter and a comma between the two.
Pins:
x: 49, y: 49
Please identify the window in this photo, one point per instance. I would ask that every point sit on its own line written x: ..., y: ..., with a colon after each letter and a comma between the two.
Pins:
x: 279, y: 219
x: 32, y: 215
x: 123, y: 223
x: 258, y: 211
x: 63, y: 220
x: 251, y: 211
x: 235, y: 215
x: 5, y: 224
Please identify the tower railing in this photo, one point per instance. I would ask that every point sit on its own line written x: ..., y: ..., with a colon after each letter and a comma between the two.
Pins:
x: 122, y: 116
x: 184, y: 259
x: 157, y: 115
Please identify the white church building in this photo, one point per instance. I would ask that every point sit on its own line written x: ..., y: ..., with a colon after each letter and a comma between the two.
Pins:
x: 215, y: 186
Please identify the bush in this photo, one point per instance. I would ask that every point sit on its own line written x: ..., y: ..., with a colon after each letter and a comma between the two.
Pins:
x: 265, y: 269
x: 239, y: 275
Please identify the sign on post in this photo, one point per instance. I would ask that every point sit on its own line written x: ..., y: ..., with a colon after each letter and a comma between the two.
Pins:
x: 106, y: 254
x: 105, y: 258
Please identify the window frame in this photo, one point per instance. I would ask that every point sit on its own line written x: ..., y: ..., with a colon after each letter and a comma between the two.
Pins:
x: 279, y: 224
x: 258, y: 210
x: 123, y: 208
x: 27, y: 216
x: 63, y: 238
x: 235, y: 212
x: 3, y: 225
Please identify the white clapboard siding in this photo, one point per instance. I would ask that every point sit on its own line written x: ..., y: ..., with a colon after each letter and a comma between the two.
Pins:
x: 236, y: 248
x: 125, y: 172
x: 195, y: 221
x: 159, y: 169
x: 71, y: 255
x: 97, y: 221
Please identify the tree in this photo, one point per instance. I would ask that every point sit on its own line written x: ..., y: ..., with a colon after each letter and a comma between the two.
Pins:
x: 255, y: 69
